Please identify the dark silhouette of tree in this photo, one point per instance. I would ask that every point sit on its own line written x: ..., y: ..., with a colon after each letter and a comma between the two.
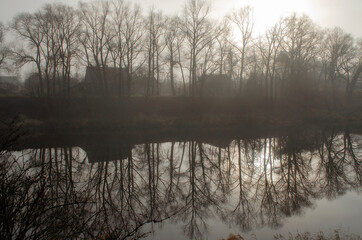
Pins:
x: 199, y: 33
x: 243, y: 20
x: 269, y: 49
x: 95, y: 38
x: 299, y: 45
x: 173, y: 41
x: 4, y: 50
x: 155, y: 46
x: 50, y: 37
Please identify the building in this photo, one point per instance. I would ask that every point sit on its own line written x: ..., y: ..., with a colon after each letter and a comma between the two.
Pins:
x: 215, y: 85
x: 105, y: 81
x: 10, y: 85
x: 110, y: 81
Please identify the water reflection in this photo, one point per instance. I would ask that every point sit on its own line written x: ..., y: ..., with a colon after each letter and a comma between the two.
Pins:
x: 67, y: 192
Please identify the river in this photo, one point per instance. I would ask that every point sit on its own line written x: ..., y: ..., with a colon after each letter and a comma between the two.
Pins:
x: 108, y: 186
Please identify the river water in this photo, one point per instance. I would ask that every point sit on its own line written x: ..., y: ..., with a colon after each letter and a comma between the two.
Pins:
x: 116, y: 188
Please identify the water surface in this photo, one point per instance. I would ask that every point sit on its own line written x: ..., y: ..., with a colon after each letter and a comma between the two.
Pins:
x: 113, y: 187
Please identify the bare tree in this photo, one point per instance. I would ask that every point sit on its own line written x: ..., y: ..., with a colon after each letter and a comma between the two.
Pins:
x: 68, y: 27
x: 155, y: 36
x: 61, y: 28
x: 117, y: 44
x: 299, y: 45
x: 132, y: 34
x: 4, y: 51
x: 181, y: 56
x: 269, y: 49
x: 243, y: 20
x: 125, y: 45
x: 224, y: 48
x: 199, y: 32
x: 357, y: 69
x: 50, y: 37
x: 27, y: 28
x: 339, y: 51
x: 172, y: 41
x: 95, y: 37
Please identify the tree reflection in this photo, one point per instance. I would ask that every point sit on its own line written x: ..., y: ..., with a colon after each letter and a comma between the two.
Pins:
x: 339, y: 166
x: 202, y: 189
x: 242, y: 214
x: 56, y: 192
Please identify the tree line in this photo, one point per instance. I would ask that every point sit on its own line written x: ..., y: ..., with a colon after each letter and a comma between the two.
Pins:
x: 293, y: 56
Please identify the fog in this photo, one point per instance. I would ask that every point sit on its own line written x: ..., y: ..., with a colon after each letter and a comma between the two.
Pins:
x: 122, y: 121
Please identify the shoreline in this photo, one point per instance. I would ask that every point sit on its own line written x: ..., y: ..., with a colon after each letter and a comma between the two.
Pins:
x: 163, y: 114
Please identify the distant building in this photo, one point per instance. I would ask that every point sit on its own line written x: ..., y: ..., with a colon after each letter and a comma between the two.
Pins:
x: 141, y: 87
x: 110, y: 81
x: 105, y: 81
x: 9, y: 85
x: 215, y: 85
x: 32, y: 85
x: 57, y: 87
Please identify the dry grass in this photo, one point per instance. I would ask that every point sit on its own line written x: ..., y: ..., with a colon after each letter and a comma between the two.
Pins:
x: 336, y: 235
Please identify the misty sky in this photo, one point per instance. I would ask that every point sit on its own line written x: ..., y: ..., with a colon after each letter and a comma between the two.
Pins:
x: 327, y: 13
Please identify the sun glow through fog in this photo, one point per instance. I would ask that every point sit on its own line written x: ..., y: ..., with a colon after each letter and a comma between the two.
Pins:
x: 268, y: 12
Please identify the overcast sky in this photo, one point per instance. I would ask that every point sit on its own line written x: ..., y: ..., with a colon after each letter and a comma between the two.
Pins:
x: 346, y: 14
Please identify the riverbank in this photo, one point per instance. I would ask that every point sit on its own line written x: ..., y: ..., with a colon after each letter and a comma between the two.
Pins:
x: 38, y: 115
